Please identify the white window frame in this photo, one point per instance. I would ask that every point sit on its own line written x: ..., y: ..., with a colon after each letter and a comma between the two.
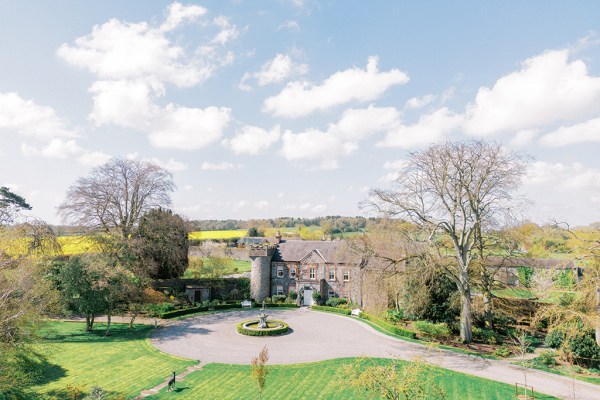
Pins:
x: 292, y: 272
x: 280, y: 271
x: 331, y: 275
x: 313, y: 273
x: 346, y: 276
x: 279, y: 290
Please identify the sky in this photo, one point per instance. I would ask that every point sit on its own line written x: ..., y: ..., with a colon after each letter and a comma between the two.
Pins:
x: 278, y: 108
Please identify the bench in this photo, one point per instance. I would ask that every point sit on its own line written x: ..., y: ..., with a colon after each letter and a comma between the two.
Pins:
x: 356, y: 312
x: 246, y: 303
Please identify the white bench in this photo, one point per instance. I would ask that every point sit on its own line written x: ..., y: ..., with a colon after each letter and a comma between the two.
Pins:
x: 356, y: 312
x: 246, y: 303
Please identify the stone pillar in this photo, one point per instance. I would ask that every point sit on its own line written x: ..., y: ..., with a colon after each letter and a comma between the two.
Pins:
x: 260, y: 272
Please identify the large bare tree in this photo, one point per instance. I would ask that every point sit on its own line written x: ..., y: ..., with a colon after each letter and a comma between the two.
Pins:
x: 115, y: 195
x: 456, y: 192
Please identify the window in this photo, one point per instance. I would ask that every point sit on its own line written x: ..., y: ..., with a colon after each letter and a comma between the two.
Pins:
x: 280, y: 272
x: 313, y: 273
x: 291, y: 288
x: 330, y: 294
x: 346, y: 276
x: 332, y: 274
x: 293, y: 272
x: 279, y: 290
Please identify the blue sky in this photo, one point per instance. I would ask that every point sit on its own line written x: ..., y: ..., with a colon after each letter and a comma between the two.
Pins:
x: 297, y: 108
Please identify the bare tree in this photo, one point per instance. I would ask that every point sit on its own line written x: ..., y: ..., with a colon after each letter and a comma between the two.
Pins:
x: 115, y: 195
x: 455, y: 192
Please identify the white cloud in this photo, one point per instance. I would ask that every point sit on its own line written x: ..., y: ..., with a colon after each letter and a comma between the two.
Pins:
x: 188, y: 128
x: 290, y: 24
x: 298, y: 99
x: 93, y: 158
x: 253, y: 140
x: 261, y: 205
x: 134, y: 62
x: 431, y: 128
x: 276, y: 70
x: 340, y: 139
x: 548, y: 89
x: 222, y: 166
x: 123, y: 50
x: 171, y: 165
x: 177, y: 14
x: 228, y: 31
x: 419, y: 102
x: 559, y: 175
x: 27, y: 118
x: 524, y: 138
x: 588, y: 131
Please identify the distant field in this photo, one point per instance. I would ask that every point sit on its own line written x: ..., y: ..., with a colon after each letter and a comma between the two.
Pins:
x: 234, y: 267
x: 231, y: 234
x: 76, y: 244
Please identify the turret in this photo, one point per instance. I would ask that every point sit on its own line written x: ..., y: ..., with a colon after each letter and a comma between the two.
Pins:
x: 260, y: 271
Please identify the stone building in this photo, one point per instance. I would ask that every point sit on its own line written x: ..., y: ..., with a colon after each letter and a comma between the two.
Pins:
x: 308, y: 266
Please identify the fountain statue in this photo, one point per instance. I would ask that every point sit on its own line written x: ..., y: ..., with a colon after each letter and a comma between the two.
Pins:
x: 263, y: 317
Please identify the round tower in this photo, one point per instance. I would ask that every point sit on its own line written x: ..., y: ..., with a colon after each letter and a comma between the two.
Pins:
x: 260, y: 272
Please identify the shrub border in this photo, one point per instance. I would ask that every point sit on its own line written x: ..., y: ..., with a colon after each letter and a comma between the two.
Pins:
x: 271, y: 332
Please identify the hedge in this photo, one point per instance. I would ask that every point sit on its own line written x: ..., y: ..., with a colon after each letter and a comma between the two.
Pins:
x: 270, y: 332
x: 184, y: 311
x: 226, y: 306
x: 275, y: 305
x: 389, y: 327
x: 343, y: 311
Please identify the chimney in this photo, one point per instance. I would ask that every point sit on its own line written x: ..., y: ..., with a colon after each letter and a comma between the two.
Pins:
x: 278, y: 237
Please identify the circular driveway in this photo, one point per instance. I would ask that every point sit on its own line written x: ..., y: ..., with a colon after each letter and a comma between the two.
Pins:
x: 313, y: 336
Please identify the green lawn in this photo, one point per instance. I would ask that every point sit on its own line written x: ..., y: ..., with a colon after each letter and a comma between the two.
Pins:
x: 514, y: 293
x: 321, y: 380
x: 124, y: 363
x: 235, y: 267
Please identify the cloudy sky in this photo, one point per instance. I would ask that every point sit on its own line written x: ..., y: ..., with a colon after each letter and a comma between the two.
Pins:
x: 297, y: 107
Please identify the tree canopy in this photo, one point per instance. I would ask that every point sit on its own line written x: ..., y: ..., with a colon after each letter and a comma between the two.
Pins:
x: 115, y: 195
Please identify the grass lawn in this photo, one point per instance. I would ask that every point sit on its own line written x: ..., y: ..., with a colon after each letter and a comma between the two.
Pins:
x: 236, y: 267
x: 514, y: 293
x: 321, y: 380
x: 236, y: 233
x: 124, y: 363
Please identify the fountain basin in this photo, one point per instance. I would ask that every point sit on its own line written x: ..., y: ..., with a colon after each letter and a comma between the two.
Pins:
x: 250, y: 328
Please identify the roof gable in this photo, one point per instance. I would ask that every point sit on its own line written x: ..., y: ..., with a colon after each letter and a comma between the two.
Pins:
x: 313, y: 256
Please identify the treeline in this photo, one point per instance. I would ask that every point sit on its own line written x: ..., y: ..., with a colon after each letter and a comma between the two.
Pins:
x: 329, y: 224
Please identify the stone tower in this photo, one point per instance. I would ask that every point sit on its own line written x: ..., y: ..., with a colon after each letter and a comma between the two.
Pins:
x: 260, y: 271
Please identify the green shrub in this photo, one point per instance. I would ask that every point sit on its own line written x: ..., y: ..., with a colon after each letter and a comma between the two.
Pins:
x: 485, y: 335
x: 336, y: 301
x: 565, y: 279
x: 554, y: 339
x: 546, y: 358
x: 585, y: 349
x: 394, y: 316
x: 227, y: 306
x: 428, y: 329
x: 277, y: 305
x: 524, y: 274
x: 343, y: 311
x: 389, y: 327
x: 317, y: 297
x: 278, y: 298
x: 269, y: 332
x: 502, y: 351
x: 156, y: 310
x: 293, y: 295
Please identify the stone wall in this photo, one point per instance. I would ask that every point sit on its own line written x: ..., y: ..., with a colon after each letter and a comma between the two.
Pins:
x: 220, y: 289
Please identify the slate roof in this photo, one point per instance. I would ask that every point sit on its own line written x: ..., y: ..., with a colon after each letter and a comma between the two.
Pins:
x: 335, y: 252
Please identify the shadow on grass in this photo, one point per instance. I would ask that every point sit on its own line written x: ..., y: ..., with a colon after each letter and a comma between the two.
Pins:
x: 74, y: 332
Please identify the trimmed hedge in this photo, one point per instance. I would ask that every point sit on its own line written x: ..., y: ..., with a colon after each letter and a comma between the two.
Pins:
x: 336, y: 310
x: 275, y: 305
x: 184, y: 311
x: 389, y: 327
x: 226, y: 306
x: 270, y: 332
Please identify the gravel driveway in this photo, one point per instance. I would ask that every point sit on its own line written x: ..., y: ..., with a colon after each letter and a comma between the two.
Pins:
x: 316, y: 336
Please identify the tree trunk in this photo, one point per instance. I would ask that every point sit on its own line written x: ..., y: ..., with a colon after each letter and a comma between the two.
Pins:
x: 487, y: 308
x: 598, y: 315
x: 89, y: 322
x: 466, y: 317
x: 108, y: 317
